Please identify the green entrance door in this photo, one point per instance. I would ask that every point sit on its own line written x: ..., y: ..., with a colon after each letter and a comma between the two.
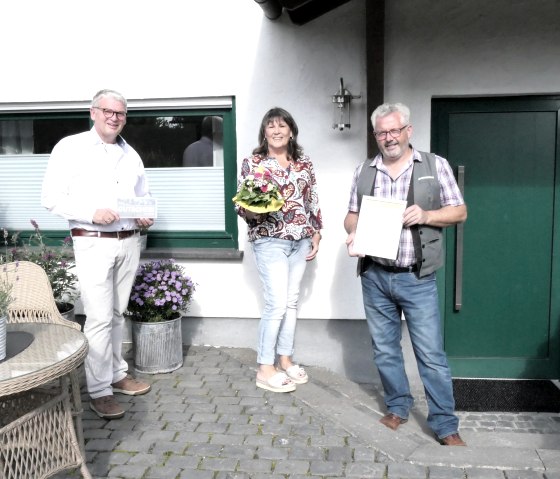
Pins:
x: 502, y: 301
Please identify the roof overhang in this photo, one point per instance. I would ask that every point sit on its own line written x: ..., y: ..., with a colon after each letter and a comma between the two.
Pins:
x: 299, y: 11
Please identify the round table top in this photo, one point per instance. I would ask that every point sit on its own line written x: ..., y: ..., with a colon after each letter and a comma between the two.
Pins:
x: 55, y: 351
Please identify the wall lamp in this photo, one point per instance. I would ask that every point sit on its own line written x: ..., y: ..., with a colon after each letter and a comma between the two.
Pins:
x: 341, y: 102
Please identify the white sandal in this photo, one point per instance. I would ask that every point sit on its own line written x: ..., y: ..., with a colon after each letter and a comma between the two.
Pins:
x: 297, y: 374
x: 279, y: 383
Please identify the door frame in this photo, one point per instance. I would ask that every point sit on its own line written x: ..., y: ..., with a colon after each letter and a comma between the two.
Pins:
x: 441, y: 109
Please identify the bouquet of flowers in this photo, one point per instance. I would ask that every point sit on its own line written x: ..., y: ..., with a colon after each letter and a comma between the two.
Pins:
x: 259, y: 193
x: 161, y: 289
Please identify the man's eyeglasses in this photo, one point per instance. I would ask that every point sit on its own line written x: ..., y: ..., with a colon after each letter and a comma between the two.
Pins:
x: 381, y: 135
x: 121, y: 115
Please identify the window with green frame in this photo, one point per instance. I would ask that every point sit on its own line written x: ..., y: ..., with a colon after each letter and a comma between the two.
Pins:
x: 189, y: 152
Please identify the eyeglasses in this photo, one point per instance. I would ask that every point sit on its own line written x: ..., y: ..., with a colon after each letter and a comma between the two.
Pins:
x: 381, y: 135
x: 121, y: 115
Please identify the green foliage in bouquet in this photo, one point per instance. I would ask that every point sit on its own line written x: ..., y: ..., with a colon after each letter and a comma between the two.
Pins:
x: 259, y: 193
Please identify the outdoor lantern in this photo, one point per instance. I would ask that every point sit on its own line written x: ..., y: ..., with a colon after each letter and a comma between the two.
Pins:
x: 341, y: 103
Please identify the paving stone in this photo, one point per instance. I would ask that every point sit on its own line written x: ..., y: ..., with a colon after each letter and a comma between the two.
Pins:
x: 127, y: 472
x: 363, y: 470
x: 523, y: 475
x: 190, y: 474
x: 439, y: 472
x: 326, y: 468
x: 406, y: 471
x: 159, y: 472
x: 182, y: 462
x: 211, y: 427
x: 101, y: 444
x: 344, y: 454
x: 226, y: 439
x: 206, y: 450
x: 480, y: 473
x: 239, y: 452
x: 315, y: 453
x: 143, y: 459
x: 274, y: 453
x: 255, y: 465
x: 290, y: 466
x: 218, y: 464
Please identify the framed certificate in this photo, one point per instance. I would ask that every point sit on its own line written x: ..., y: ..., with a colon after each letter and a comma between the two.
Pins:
x: 379, y: 227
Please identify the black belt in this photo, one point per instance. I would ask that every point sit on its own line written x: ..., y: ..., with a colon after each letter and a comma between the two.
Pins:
x: 104, y: 234
x: 397, y: 269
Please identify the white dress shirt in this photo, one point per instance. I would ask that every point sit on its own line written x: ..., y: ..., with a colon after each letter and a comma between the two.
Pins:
x: 85, y: 174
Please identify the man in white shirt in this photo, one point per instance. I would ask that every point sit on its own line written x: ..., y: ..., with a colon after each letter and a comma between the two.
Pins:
x: 86, y: 175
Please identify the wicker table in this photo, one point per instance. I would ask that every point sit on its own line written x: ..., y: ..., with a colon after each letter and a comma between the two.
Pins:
x: 40, y: 405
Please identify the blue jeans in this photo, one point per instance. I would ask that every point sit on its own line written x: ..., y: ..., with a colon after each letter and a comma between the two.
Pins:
x: 281, y: 265
x: 386, y: 296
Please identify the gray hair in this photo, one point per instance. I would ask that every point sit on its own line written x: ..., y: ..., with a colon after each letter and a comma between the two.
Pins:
x: 388, y: 108
x: 108, y: 93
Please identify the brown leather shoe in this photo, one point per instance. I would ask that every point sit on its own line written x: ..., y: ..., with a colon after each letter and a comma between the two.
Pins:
x: 107, y: 407
x: 130, y: 386
x: 392, y: 421
x: 452, y: 440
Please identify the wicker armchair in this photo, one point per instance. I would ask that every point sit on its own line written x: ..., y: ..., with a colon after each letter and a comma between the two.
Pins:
x: 48, y: 437
x: 34, y: 300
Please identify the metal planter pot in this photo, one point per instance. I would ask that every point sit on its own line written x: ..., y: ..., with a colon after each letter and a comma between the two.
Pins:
x: 67, y: 311
x: 158, y: 347
x: 3, y: 334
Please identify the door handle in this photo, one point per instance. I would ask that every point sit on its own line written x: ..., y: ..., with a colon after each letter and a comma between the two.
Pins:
x: 459, y: 247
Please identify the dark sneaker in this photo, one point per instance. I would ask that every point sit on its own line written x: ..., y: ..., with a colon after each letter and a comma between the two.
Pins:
x: 130, y: 386
x: 107, y: 407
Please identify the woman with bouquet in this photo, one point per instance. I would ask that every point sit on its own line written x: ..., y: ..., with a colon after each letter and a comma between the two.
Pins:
x: 277, y: 197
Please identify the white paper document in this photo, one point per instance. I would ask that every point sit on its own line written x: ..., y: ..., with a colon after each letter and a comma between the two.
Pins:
x: 137, y: 207
x: 379, y: 227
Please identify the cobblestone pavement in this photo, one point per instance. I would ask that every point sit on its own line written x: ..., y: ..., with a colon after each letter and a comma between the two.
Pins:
x: 207, y: 420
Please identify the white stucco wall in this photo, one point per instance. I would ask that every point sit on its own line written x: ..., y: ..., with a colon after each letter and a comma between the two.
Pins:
x: 469, y: 48
x: 207, y: 48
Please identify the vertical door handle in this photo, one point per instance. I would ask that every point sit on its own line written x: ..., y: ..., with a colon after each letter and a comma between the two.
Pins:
x: 459, y: 247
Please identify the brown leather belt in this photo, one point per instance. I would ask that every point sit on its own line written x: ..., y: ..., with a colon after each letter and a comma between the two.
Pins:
x: 397, y: 269
x: 104, y: 234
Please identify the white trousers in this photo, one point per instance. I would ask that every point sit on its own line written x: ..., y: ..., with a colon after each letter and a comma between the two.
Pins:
x: 106, y: 268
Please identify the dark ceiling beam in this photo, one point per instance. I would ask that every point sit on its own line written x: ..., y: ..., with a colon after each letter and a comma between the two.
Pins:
x: 271, y: 8
x: 375, y: 64
x: 291, y: 4
x: 299, y: 11
x: 310, y: 9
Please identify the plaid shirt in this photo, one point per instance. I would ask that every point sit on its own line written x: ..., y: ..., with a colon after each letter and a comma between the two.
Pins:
x: 386, y: 187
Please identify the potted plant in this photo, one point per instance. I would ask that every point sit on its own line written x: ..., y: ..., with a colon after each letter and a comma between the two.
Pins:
x: 160, y: 295
x: 5, y: 295
x: 57, y: 261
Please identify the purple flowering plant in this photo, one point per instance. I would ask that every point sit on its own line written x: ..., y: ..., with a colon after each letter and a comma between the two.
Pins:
x: 161, y: 290
x: 6, y: 286
x: 57, y: 261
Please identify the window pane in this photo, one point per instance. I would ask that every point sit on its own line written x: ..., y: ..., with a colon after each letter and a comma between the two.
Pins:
x: 208, y: 149
x: 162, y: 141
x: 37, y: 136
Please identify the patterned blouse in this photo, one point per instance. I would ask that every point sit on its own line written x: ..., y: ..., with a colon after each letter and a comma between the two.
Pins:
x: 300, y: 216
